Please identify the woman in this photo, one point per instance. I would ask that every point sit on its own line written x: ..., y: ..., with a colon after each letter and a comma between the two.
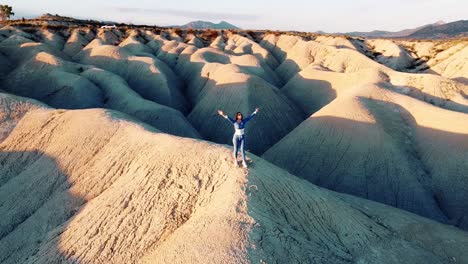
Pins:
x: 238, y: 140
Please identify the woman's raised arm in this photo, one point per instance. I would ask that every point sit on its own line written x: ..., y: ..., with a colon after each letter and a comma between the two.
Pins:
x: 251, y: 115
x: 221, y: 113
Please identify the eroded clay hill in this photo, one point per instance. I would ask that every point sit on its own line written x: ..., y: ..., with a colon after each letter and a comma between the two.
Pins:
x: 92, y: 186
x: 110, y: 148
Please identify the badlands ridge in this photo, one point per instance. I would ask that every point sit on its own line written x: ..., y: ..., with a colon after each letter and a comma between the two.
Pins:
x: 111, y: 150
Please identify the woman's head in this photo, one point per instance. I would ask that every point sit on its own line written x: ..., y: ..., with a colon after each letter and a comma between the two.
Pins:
x: 239, y: 116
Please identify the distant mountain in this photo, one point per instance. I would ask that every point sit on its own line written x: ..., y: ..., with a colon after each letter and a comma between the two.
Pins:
x: 449, y: 30
x: 390, y: 34
x: 371, y: 34
x: 208, y: 25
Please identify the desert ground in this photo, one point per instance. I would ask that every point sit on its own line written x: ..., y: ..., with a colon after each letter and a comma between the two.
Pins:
x: 111, y: 150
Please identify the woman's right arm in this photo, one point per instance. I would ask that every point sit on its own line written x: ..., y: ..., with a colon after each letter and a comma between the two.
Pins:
x: 221, y: 113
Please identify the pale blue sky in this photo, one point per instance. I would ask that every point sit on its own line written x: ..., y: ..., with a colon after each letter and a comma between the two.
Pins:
x: 302, y: 15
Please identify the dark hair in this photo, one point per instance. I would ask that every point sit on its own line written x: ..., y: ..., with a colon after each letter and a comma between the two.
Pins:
x: 239, y: 113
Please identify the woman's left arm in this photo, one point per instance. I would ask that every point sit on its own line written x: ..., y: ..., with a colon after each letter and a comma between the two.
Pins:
x: 251, y: 115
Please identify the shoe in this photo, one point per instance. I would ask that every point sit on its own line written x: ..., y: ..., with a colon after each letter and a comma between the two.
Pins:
x: 244, y: 164
x: 236, y: 164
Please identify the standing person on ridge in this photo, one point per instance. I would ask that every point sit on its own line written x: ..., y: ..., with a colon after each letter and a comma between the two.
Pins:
x: 238, y: 139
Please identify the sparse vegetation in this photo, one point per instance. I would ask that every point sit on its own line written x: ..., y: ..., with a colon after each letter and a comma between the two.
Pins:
x: 25, y: 24
x: 251, y: 34
x: 438, y: 50
x: 6, y: 12
x: 233, y: 31
x: 55, y: 28
x: 30, y: 30
x: 376, y: 54
x: 178, y: 31
x: 276, y: 32
x: 210, y: 34
x: 92, y: 28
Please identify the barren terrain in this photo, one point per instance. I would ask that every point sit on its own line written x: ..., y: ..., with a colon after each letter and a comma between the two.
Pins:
x: 111, y: 150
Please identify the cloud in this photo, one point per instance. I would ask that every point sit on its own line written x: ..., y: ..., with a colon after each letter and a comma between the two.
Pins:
x: 188, y: 14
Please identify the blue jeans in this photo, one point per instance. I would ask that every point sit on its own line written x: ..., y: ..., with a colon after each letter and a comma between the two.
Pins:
x: 239, y: 141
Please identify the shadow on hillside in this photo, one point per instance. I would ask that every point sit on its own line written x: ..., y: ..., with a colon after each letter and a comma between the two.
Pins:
x: 393, y: 161
x: 310, y: 95
x: 146, y: 79
x: 278, y: 53
x: 420, y: 65
x: 263, y: 71
x: 232, y: 97
x: 434, y: 100
x: 278, y: 115
x: 27, y: 51
x: 35, y: 204
x: 462, y: 80
x: 287, y: 70
x: 317, y: 93
x: 281, y: 57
